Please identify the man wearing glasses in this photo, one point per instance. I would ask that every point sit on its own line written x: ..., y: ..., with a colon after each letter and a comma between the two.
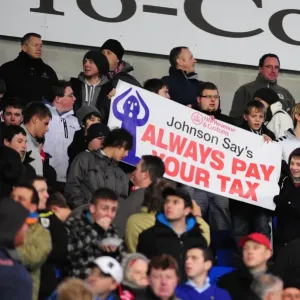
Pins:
x: 62, y: 128
x: 269, y: 66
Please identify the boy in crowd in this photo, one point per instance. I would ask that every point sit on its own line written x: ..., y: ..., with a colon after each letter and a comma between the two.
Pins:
x: 95, y: 136
x: 256, y: 253
x: 94, y: 169
x: 277, y: 120
x: 175, y: 230
x: 198, y: 262
x: 57, y: 203
x: 157, y: 86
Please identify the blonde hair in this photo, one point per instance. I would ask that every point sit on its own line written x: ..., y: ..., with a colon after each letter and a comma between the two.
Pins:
x: 73, y: 289
x: 295, y: 111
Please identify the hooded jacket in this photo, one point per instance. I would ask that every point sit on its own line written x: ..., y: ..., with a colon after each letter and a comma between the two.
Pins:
x: 91, y: 170
x: 289, y: 143
x: 62, y: 128
x: 28, y: 78
x: 245, y: 93
x: 162, y: 239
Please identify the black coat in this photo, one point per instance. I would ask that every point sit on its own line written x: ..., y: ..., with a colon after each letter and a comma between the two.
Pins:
x: 182, y: 88
x: 264, y: 130
x: 287, y: 212
x: 28, y: 78
x: 77, y: 146
x: 161, y: 239
x: 50, y: 174
x: 2, y: 128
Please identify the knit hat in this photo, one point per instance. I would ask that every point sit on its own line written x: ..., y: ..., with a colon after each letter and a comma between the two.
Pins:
x: 97, y: 130
x: 296, y: 152
x: 267, y: 94
x: 115, y: 47
x: 84, y: 111
x: 99, y: 59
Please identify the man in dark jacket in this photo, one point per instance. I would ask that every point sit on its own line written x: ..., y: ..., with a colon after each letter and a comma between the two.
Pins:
x: 256, y: 253
x: 182, y: 80
x: 175, y: 231
x: 15, y: 282
x: 269, y: 66
x: 28, y: 77
x: 91, y: 170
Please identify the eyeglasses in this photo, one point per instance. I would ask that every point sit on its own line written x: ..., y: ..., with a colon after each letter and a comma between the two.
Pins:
x: 269, y: 67
x: 215, y: 97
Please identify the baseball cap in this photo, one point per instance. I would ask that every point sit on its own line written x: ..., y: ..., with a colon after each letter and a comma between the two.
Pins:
x: 110, y: 266
x: 258, y: 238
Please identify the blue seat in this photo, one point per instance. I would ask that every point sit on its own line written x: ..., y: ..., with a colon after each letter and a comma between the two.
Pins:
x: 224, y: 257
x: 216, y: 272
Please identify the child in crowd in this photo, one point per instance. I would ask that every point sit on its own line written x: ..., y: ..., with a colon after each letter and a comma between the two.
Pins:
x: 157, y: 86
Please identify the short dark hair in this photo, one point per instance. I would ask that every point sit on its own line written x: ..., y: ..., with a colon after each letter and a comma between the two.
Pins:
x: 27, y: 185
x: 57, y: 199
x: 153, y: 199
x: 180, y: 193
x: 60, y: 87
x: 257, y: 105
x: 27, y: 36
x: 205, y: 86
x: 174, y: 54
x: 163, y: 262
x: 2, y: 86
x: 38, y: 178
x: 89, y: 116
x: 154, y: 85
x: 263, y: 58
x: 14, y: 102
x: 119, y: 137
x: 207, y: 253
x: 10, y: 131
x: 105, y: 194
x: 38, y: 109
x: 154, y: 165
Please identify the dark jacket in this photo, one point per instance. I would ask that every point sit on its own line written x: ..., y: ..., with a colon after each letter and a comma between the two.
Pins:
x: 287, y: 212
x: 77, y: 146
x: 245, y: 93
x: 84, y: 239
x: 263, y: 130
x: 182, y: 87
x: 49, y: 173
x: 28, y: 78
x: 90, y: 171
x: 161, y: 238
x: 57, y: 256
x: 2, y: 127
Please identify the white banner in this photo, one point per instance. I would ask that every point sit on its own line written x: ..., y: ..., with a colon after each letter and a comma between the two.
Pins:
x: 197, y: 150
x: 234, y: 31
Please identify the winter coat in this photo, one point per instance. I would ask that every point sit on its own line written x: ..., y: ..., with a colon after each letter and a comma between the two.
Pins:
x: 263, y: 130
x: 34, y: 252
x: 2, y: 128
x: 287, y: 212
x: 84, y: 239
x: 57, y: 140
x: 57, y: 256
x: 142, y: 221
x: 162, y: 239
x: 49, y: 173
x: 245, y: 93
x: 182, y: 87
x: 77, y: 146
x: 150, y: 296
x: 90, y: 171
x: 28, y: 78
x: 289, y: 143
x: 280, y: 120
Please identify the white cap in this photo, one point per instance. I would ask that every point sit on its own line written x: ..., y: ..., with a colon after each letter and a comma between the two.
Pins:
x: 110, y: 266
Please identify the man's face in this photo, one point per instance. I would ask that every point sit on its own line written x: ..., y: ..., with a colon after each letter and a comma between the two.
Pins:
x: 12, y: 116
x: 112, y: 59
x: 174, y: 208
x: 291, y: 294
x: 90, y: 121
x: 42, y: 189
x: 41, y: 126
x: 138, y: 273
x: 186, y: 61
x: 295, y: 166
x: 209, y: 100
x: 270, y: 69
x: 138, y: 176
x: 67, y: 102
x: 104, y: 209
x: 101, y: 284
x: 255, y: 119
x: 119, y: 153
x: 24, y: 197
x: 195, y: 264
x: 89, y: 68
x: 33, y: 47
x: 163, y: 282
x: 164, y: 92
x: 18, y: 143
x: 255, y: 255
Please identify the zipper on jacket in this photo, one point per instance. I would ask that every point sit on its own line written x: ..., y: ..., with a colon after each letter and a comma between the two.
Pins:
x: 65, y: 128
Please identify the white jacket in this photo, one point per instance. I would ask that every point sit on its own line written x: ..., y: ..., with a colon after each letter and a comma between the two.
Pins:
x: 280, y: 122
x: 289, y: 143
x: 57, y: 140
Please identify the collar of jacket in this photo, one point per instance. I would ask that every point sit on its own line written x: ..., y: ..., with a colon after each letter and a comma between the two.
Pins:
x: 55, y: 112
x: 12, y: 253
x: 151, y: 296
x: 272, y: 109
x: 263, y: 80
x: 26, y: 159
x: 180, y: 73
x: 29, y: 61
x: 190, y: 221
x: 100, y: 154
x: 215, y: 113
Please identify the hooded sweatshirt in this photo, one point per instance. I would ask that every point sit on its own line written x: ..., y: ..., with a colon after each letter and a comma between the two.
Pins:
x: 289, y: 143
